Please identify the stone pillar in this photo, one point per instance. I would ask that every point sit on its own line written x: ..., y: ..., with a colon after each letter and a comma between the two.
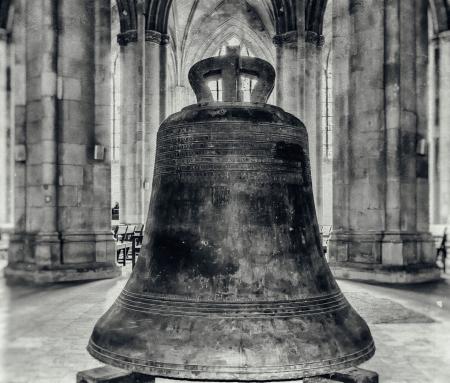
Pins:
x: 181, y: 98
x: 433, y: 129
x: 380, y: 196
x: 444, y: 129
x: 155, y: 102
x: 298, y: 92
x: 131, y: 132
x: 19, y: 108
x: 143, y: 108
x: 288, y: 73
x: 65, y: 233
x: 313, y: 112
x: 4, y: 130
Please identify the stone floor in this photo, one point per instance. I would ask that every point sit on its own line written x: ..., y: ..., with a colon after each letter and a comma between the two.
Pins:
x: 44, y: 331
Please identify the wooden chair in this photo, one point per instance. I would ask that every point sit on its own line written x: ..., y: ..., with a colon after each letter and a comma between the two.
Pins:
x: 129, y: 233
x: 122, y: 245
x: 121, y: 232
x: 136, y: 244
x: 122, y: 251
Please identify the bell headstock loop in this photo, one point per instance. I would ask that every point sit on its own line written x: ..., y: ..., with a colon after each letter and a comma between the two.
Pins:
x: 230, y: 68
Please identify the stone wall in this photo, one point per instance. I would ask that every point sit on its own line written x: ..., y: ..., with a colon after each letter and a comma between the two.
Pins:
x: 63, y: 207
x: 380, y: 174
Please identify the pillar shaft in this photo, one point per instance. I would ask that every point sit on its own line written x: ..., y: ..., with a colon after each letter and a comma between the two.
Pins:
x: 444, y: 128
x: 298, y: 92
x: 288, y: 73
x: 4, y: 170
x: 65, y: 233
x: 143, y: 108
x: 380, y: 199
x: 312, y: 115
x: 433, y: 130
x: 131, y: 132
x: 155, y: 102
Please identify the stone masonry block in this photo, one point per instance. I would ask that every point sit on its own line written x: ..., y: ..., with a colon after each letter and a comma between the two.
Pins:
x: 71, y: 89
x: 33, y: 175
x: 78, y: 252
x: 73, y: 154
x: 71, y: 175
x: 35, y: 196
x: 68, y: 196
x: 34, y: 111
x: 48, y: 84
x: 78, y: 219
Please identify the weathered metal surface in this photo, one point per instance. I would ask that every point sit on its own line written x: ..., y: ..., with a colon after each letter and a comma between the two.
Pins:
x: 232, y: 283
x: 108, y: 374
x: 350, y: 375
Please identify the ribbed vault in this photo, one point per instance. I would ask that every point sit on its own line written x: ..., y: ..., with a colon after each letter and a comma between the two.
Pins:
x: 285, y: 15
x: 127, y: 15
x: 157, y: 12
x: 281, y: 13
x: 314, y: 13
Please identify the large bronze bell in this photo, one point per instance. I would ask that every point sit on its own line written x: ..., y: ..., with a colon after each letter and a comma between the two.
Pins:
x: 232, y: 283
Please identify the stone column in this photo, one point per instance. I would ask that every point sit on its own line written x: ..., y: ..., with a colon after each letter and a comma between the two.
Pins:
x: 143, y: 108
x: 131, y: 132
x: 380, y: 196
x: 155, y: 102
x: 444, y: 129
x: 433, y: 129
x: 313, y: 112
x: 67, y: 207
x: 4, y: 169
x: 298, y: 92
x: 19, y: 77
x: 288, y: 72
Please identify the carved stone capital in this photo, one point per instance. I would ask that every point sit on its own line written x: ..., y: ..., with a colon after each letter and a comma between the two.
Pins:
x: 285, y: 38
x: 314, y: 38
x: 156, y: 37
x: 127, y: 37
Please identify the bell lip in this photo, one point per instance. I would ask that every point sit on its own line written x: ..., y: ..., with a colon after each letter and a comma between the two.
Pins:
x: 212, y: 373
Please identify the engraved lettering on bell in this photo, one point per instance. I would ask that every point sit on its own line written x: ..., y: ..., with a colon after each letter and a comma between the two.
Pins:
x: 231, y: 283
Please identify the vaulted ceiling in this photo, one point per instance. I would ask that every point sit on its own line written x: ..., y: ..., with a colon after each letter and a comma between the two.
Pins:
x: 198, y: 28
x: 281, y: 13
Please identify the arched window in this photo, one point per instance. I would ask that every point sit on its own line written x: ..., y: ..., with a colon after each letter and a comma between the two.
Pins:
x: 247, y: 83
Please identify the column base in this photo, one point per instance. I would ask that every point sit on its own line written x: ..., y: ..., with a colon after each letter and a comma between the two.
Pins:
x: 61, y: 257
x: 30, y: 273
x: 383, y: 257
x: 417, y: 273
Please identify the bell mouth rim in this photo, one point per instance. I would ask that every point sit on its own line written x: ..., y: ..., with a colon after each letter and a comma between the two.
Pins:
x: 231, y: 373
